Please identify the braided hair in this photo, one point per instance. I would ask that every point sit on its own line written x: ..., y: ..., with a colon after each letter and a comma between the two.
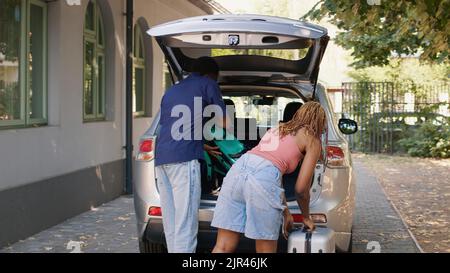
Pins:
x: 310, y: 116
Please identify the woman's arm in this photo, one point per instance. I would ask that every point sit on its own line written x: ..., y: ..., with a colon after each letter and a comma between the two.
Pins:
x: 288, y: 220
x: 303, y: 184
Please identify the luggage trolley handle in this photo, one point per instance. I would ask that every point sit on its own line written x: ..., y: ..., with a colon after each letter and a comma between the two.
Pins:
x: 308, y: 237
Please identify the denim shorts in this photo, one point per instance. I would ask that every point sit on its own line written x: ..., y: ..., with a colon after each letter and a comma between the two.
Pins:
x: 251, y: 199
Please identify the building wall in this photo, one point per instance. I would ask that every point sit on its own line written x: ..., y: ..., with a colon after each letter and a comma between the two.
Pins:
x: 65, y: 168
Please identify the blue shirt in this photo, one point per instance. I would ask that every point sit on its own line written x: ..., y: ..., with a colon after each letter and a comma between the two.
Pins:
x: 180, y: 138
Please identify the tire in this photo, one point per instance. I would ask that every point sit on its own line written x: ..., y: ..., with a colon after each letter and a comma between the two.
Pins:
x: 350, y: 245
x: 147, y: 247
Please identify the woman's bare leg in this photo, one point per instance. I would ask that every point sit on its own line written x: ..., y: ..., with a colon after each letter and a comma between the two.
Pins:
x: 266, y: 246
x: 227, y: 241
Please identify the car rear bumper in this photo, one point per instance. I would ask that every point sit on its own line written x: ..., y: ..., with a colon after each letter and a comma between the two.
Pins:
x: 206, y: 238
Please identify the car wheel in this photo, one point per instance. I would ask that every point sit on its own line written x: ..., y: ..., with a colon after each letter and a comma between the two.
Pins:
x: 350, y: 245
x: 147, y: 247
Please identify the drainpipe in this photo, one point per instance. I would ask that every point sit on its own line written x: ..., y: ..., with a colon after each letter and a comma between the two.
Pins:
x: 129, y: 98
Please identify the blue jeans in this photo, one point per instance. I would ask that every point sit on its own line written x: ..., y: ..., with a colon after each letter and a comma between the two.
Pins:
x: 180, y: 190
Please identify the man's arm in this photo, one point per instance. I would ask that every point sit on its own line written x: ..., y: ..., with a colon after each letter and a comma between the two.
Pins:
x: 214, y: 97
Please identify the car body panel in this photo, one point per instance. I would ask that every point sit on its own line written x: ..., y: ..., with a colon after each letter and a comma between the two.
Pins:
x: 336, y: 199
x: 240, y: 23
x: 243, y: 32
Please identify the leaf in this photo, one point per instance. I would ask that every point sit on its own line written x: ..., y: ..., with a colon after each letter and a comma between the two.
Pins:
x: 374, y: 32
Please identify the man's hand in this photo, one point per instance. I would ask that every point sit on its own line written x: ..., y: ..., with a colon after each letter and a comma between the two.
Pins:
x: 212, y: 150
x: 288, y: 223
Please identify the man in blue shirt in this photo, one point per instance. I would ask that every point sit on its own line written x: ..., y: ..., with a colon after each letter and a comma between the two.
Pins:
x: 180, y: 146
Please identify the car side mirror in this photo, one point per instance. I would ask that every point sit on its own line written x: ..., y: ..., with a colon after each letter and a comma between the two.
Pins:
x: 348, y: 126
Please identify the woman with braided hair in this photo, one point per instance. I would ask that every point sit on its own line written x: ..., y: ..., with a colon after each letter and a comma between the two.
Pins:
x: 252, y: 199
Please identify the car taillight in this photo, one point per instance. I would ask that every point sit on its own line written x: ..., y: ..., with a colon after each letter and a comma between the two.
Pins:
x: 335, y: 156
x: 298, y: 218
x: 146, y: 150
x: 317, y: 218
x: 155, y: 211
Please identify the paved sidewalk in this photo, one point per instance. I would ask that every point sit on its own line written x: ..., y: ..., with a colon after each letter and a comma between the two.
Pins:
x: 111, y: 228
x: 377, y: 226
x: 420, y: 189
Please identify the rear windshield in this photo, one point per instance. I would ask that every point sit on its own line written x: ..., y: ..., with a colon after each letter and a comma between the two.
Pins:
x: 285, y: 54
x: 267, y: 110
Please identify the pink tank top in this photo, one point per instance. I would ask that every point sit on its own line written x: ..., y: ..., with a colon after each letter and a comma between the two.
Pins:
x: 283, y: 153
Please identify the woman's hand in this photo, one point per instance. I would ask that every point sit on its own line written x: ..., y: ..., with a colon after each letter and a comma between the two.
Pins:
x: 309, y: 224
x: 288, y: 223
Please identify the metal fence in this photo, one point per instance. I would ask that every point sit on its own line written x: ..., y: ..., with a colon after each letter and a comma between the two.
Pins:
x: 385, y: 110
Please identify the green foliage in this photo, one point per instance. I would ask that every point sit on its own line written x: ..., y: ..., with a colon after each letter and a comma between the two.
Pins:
x: 9, y: 96
x: 403, y: 27
x: 9, y: 27
x: 294, y: 54
x: 408, y: 70
x: 428, y: 140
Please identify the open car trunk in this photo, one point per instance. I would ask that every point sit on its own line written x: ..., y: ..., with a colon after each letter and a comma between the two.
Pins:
x: 244, y: 37
x: 248, y: 33
x: 247, y: 134
x: 211, y: 183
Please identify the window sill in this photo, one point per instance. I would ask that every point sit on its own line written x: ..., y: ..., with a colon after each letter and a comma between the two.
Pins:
x: 89, y: 121
x: 32, y: 130
x: 22, y: 127
x: 141, y: 117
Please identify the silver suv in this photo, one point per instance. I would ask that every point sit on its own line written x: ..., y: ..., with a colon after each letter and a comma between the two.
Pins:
x: 266, y: 63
